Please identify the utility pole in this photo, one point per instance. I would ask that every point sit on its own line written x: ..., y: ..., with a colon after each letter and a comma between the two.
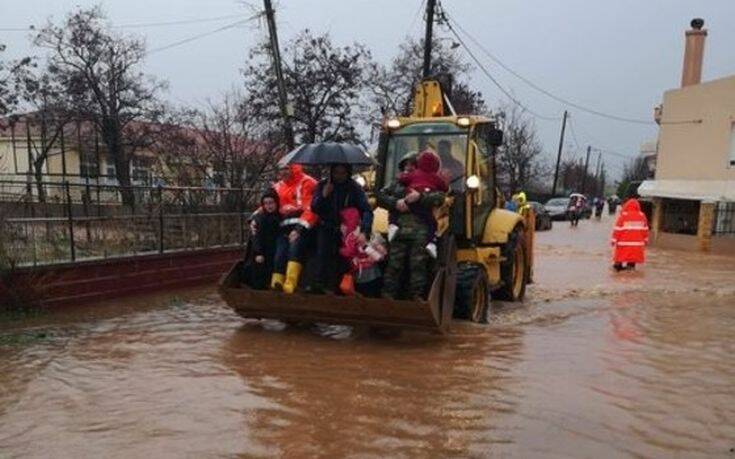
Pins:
x: 558, y: 155
x: 586, y: 164
x: 597, y: 170
x: 427, y: 39
x: 276, y: 55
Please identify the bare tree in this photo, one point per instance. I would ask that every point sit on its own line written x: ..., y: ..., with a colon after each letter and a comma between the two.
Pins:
x: 323, y: 83
x: 391, y: 88
x: 9, y: 81
x: 636, y: 170
x: 48, y: 113
x: 572, y: 178
x: 99, y: 70
x: 519, y: 159
x: 222, y: 145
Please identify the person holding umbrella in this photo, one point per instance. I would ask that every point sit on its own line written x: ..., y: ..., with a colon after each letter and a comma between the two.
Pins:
x: 333, y: 194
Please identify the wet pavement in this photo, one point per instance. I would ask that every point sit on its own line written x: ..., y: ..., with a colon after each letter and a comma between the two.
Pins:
x: 593, y: 364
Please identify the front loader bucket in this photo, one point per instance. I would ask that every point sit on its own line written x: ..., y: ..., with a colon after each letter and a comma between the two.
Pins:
x: 333, y: 309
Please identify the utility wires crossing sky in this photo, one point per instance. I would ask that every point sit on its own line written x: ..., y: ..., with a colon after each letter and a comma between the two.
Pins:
x: 451, y: 23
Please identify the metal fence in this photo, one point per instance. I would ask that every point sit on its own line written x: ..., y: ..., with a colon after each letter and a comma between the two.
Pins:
x: 724, y: 219
x: 88, y: 221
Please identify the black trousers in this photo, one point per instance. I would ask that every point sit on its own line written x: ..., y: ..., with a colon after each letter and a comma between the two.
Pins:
x: 329, y: 264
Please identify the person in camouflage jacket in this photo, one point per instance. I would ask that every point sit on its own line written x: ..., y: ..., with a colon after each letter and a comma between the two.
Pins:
x: 408, y: 246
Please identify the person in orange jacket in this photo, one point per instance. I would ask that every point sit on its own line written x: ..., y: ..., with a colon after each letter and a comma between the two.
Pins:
x: 629, y: 236
x: 295, y: 189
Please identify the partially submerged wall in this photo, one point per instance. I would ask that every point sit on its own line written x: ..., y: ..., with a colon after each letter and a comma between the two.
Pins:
x: 89, y: 281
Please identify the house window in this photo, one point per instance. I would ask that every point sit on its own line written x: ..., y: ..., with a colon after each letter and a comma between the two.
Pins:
x: 725, y: 219
x: 732, y: 145
x: 680, y: 216
x: 142, y: 170
x: 88, y: 165
x: 110, y: 166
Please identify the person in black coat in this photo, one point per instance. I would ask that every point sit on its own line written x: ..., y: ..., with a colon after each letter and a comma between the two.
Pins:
x: 263, y: 243
x: 333, y: 194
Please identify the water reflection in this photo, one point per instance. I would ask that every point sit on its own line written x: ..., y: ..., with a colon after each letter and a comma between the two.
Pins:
x: 670, y: 372
x: 414, y: 395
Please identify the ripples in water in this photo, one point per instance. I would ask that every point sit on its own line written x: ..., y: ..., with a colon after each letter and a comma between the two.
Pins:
x: 632, y: 374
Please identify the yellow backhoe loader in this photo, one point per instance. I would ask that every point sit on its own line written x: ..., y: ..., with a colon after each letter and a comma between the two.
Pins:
x: 484, y: 250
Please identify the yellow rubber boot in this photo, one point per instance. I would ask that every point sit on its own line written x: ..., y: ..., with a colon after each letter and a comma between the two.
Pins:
x: 293, y: 272
x: 277, y: 281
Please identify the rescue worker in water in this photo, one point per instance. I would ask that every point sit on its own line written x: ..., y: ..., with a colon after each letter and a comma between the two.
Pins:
x: 629, y: 236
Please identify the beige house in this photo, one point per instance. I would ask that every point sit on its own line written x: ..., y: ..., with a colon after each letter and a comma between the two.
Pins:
x: 694, y: 187
x: 79, y: 159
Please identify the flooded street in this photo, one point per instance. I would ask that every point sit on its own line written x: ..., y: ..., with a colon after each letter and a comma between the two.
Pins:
x: 593, y: 364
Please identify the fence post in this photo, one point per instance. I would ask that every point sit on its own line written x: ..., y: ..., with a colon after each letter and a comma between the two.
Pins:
x: 160, y: 220
x: 99, y: 204
x: 71, y: 221
x: 241, y: 226
x: 86, y: 202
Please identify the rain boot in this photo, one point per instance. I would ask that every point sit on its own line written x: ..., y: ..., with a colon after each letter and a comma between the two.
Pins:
x: 293, y: 272
x: 277, y: 281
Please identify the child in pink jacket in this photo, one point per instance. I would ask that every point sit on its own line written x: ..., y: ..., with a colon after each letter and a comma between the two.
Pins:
x: 361, y: 256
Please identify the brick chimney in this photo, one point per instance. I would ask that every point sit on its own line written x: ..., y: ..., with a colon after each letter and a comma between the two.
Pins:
x: 693, y: 53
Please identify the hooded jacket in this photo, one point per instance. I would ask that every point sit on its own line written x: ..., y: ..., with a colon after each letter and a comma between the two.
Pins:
x: 522, y: 205
x: 351, y: 249
x: 295, y: 195
x: 426, y: 176
x: 264, y: 240
x: 630, y: 234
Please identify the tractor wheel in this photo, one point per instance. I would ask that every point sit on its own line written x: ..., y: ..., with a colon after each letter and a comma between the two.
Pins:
x: 513, y: 269
x: 472, y: 300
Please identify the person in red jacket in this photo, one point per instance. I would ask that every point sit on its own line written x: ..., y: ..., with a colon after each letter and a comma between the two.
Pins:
x: 295, y: 189
x: 361, y: 256
x: 629, y: 236
x: 425, y: 179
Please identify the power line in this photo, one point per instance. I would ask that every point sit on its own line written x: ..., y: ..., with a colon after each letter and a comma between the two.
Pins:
x: 202, y: 35
x: 614, y: 153
x: 489, y: 75
x: 416, y: 16
x: 138, y: 25
x: 179, y: 22
x: 594, y: 141
x: 544, y: 91
x: 574, y: 133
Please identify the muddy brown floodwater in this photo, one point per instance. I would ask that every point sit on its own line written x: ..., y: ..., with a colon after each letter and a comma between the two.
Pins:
x: 593, y: 364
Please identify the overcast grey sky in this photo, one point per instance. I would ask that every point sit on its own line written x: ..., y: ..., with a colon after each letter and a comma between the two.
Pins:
x: 615, y: 56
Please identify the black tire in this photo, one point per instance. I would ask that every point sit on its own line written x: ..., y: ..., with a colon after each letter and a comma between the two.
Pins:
x: 472, y: 297
x: 514, y: 277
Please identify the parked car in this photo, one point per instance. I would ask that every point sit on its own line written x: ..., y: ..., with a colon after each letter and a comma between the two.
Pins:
x: 543, y: 219
x: 557, y: 208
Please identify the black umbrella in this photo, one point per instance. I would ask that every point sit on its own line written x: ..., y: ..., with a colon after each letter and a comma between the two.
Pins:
x: 319, y: 154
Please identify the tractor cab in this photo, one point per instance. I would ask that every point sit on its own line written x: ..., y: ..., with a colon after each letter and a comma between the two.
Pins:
x: 465, y: 146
